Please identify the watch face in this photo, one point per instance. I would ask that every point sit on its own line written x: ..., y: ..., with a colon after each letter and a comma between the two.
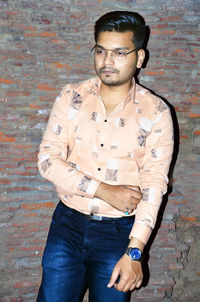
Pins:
x: 135, y: 254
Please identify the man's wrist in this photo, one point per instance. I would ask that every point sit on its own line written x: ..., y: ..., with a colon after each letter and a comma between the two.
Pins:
x: 100, y: 190
x: 136, y: 243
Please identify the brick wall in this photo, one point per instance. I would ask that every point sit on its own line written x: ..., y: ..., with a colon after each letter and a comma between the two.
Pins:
x: 45, y: 44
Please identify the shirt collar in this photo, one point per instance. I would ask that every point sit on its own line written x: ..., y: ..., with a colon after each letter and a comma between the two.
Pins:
x: 95, y: 89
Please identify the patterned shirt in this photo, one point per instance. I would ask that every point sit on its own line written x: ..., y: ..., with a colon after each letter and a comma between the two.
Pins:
x: 83, y: 146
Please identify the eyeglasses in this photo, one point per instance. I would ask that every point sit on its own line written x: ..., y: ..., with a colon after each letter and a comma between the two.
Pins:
x: 117, y: 54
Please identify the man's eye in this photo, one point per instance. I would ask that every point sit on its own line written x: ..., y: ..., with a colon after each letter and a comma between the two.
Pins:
x: 99, y: 51
x: 119, y: 53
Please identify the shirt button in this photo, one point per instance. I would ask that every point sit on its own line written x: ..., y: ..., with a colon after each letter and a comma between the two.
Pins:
x: 105, y: 121
x: 102, y: 145
x: 99, y: 169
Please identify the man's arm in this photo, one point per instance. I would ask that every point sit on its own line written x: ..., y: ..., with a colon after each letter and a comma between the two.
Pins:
x: 130, y: 271
x: 153, y: 178
x: 54, y: 151
x: 153, y: 173
x: 120, y: 197
x: 67, y: 178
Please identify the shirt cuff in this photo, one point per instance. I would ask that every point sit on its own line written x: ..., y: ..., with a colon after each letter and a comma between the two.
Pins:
x: 88, y: 186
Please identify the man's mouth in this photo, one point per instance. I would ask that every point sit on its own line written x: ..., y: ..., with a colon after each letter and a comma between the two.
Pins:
x: 107, y: 71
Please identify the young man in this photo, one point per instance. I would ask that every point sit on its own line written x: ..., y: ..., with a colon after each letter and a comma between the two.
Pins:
x: 107, y: 138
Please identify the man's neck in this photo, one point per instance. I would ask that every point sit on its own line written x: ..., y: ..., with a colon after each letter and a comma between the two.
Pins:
x: 114, y: 95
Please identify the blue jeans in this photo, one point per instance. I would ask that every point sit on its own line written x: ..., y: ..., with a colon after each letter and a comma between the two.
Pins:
x: 79, y: 253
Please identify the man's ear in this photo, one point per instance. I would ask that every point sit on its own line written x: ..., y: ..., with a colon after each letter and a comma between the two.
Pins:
x: 140, y: 58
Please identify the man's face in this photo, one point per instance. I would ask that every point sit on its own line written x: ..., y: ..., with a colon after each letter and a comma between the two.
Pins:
x: 114, y: 70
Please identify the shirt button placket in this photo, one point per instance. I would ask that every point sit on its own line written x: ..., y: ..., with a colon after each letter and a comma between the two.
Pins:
x: 102, y: 145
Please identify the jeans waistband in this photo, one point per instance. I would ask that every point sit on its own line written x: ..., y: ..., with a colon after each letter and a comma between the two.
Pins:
x: 98, y: 217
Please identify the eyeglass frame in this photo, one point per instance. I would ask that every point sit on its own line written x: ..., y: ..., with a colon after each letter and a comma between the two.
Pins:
x: 127, y: 53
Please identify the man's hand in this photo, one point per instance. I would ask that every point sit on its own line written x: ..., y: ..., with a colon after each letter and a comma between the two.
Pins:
x: 130, y: 273
x: 121, y: 197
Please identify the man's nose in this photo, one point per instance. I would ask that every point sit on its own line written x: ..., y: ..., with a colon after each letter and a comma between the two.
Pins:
x: 108, y: 58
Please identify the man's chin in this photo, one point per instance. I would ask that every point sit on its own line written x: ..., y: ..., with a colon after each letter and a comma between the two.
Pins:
x: 110, y: 82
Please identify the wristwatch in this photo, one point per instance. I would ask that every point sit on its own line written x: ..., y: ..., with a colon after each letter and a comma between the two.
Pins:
x: 134, y: 253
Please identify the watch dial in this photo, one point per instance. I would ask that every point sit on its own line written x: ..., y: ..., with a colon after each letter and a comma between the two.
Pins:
x: 135, y: 254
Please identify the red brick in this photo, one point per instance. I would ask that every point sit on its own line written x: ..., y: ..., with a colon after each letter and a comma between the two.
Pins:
x: 160, y: 72
x: 41, y: 34
x: 18, y: 93
x: 6, y: 81
x: 5, y: 138
x: 35, y: 206
x: 46, y: 87
x: 171, y: 18
x: 163, y: 32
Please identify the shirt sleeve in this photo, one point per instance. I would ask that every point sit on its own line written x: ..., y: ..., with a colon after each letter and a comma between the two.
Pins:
x: 54, y: 151
x: 153, y: 173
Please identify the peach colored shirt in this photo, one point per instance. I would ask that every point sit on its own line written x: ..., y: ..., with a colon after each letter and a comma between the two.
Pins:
x: 133, y: 145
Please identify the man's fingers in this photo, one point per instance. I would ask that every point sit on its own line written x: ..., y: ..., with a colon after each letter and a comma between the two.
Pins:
x: 134, y: 188
x: 136, y: 284
x: 132, y: 203
x: 130, y: 287
x: 125, y: 286
x: 122, y: 284
x: 139, y: 284
x: 133, y: 287
x: 113, y: 278
x: 136, y: 194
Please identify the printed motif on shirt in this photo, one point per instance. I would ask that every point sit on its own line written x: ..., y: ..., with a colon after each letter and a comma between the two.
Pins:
x: 153, y: 153
x: 111, y: 174
x: 84, y: 183
x: 145, y: 194
x: 73, y: 165
x: 112, y: 169
x: 142, y: 137
x: 114, y: 146
x: 161, y: 106
x: 45, y: 165
x: 94, y: 116
x: 76, y: 100
x: 75, y: 105
x: 119, y: 122
x: 58, y: 130
x: 147, y: 222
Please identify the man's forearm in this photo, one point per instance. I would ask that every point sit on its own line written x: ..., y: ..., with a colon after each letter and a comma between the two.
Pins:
x: 120, y: 197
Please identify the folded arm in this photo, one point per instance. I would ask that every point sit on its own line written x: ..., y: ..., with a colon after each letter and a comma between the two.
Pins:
x: 153, y: 183
x: 54, y: 151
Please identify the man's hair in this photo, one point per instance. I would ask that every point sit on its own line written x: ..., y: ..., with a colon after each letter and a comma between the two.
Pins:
x: 122, y: 21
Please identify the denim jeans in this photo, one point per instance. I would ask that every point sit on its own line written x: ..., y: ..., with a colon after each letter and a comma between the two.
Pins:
x: 79, y: 253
